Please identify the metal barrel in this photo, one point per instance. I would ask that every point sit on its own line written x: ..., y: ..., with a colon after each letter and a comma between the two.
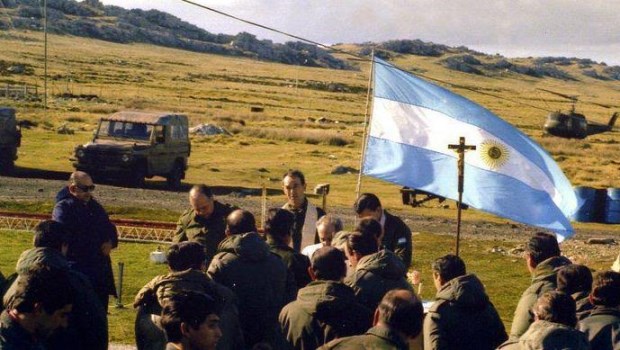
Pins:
x: 612, y: 206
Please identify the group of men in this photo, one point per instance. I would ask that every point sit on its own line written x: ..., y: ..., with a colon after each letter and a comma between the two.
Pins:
x: 302, y: 283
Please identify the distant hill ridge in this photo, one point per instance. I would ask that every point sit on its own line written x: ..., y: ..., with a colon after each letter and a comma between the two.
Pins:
x: 90, y: 18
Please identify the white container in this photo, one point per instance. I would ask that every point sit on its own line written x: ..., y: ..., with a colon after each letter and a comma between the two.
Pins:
x: 158, y: 257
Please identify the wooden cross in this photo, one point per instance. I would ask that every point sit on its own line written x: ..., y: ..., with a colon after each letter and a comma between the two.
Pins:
x: 460, y: 149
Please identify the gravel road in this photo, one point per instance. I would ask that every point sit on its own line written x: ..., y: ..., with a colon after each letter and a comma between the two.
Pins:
x: 154, y: 196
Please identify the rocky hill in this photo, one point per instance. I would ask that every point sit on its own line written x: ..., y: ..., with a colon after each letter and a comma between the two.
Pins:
x: 90, y: 18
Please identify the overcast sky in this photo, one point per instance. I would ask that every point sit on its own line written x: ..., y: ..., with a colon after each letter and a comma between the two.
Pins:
x: 513, y: 28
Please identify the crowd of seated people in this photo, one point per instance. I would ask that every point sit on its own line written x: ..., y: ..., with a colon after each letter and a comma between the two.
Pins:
x: 257, y: 290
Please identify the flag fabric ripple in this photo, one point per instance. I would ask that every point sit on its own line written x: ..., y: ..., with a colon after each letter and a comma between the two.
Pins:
x: 509, y: 175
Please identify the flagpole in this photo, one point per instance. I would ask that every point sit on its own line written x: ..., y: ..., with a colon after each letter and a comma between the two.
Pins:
x: 366, y: 126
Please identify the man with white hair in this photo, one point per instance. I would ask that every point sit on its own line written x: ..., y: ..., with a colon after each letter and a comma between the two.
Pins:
x: 326, y: 227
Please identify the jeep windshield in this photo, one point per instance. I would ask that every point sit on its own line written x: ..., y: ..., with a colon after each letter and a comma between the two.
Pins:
x: 125, y: 130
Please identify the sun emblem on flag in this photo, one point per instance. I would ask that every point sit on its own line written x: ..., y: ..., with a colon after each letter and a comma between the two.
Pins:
x: 493, y: 154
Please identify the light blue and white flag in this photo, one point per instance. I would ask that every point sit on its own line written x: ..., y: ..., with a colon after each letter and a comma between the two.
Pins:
x: 509, y: 175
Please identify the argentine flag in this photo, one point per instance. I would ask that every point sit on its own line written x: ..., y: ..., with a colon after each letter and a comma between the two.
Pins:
x: 509, y: 175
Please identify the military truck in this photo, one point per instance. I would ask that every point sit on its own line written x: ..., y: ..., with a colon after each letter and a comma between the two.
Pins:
x: 10, y: 140
x: 132, y: 146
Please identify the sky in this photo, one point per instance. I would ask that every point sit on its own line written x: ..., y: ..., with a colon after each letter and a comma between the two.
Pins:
x: 513, y: 28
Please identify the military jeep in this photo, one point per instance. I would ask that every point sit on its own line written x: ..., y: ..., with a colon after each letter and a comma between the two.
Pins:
x: 132, y: 146
x: 10, y: 139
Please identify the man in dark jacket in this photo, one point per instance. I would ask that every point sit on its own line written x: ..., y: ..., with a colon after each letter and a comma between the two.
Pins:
x: 186, y: 261
x: 326, y: 308
x: 40, y: 305
x: 553, y: 328
x: 258, y: 278
x: 396, y: 234
x: 542, y: 257
x: 204, y: 222
x: 91, y: 234
x: 376, y: 272
x: 576, y: 281
x: 397, y: 321
x: 278, y: 232
x: 602, y: 326
x: 462, y: 316
x: 88, y: 324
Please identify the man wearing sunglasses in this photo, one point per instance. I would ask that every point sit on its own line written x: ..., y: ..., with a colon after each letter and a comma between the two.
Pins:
x: 91, y: 234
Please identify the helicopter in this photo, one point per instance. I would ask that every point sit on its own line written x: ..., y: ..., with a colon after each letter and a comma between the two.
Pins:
x: 572, y: 124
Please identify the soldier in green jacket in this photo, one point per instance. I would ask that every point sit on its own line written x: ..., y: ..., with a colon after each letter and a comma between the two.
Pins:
x: 462, y: 316
x: 88, y: 323
x: 40, y: 304
x: 326, y: 308
x: 397, y: 321
x: 576, y: 281
x: 602, y: 326
x: 186, y: 261
x: 376, y: 272
x: 396, y: 234
x: 554, y: 326
x: 542, y: 257
x: 204, y: 222
x: 278, y: 233
x: 258, y: 278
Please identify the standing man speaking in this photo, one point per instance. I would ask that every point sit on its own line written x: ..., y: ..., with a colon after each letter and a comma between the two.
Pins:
x: 204, y: 222
x: 306, y: 214
x: 92, y: 235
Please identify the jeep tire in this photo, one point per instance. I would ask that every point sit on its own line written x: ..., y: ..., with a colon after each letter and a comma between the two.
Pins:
x: 136, y: 177
x: 174, y: 177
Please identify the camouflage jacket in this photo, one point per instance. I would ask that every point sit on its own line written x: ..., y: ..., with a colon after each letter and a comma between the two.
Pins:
x: 154, y: 294
x: 545, y: 335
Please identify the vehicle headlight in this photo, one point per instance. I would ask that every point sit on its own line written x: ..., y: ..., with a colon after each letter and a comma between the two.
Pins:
x: 125, y: 158
x: 80, y: 153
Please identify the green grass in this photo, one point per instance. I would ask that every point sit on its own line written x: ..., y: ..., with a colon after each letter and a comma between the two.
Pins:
x: 505, y: 277
x: 138, y: 271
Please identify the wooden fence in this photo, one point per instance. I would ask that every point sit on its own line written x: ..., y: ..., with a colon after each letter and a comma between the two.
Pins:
x: 18, y: 91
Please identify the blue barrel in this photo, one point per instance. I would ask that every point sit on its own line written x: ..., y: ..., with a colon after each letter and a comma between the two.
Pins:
x: 587, y: 211
x: 612, y: 206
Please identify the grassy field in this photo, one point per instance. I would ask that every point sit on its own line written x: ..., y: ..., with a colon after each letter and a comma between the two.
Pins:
x: 221, y: 90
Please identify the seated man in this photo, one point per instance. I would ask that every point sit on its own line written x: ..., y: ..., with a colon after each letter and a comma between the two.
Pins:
x: 186, y: 261
x: 326, y: 227
x: 191, y: 322
x: 462, y: 316
x: 602, y: 326
x: 397, y: 321
x: 41, y: 302
x: 278, y: 233
x: 376, y: 272
x: 326, y: 308
x: 543, y: 259
x: 88, y: 325
x: 397, y: 235
x: 258, y: 278
x: 576, y: 281
x: 554, y: 326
